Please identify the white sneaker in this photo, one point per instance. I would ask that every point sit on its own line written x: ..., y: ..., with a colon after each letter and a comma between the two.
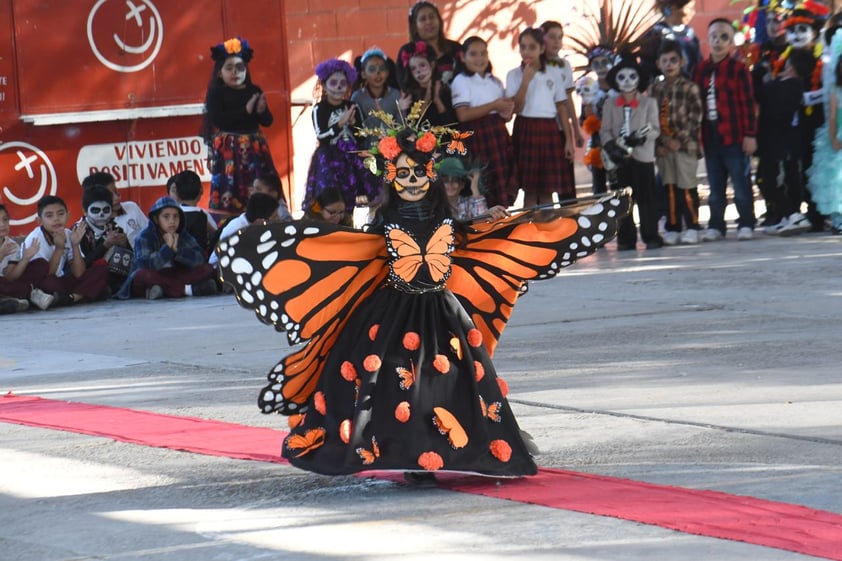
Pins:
x: 690, y: 236
x: 775, y: 229
x: 670, y: 238
x: 796, y: 224
x: 744, y: 234
x: 712, y: 235
x: 41, y: 299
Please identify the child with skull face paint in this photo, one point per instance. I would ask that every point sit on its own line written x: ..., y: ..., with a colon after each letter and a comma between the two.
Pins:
x: 630, y: 126
x: 102, y: 232
x: 335, y: 162
x: 235, y: 109
x: 594, y: 94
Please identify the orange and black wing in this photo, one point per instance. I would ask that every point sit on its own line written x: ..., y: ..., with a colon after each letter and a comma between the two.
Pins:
x: 305, y: 278
x: 494, y: 260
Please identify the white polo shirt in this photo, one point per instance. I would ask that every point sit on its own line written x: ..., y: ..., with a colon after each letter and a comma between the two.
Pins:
x: 544, y: 91
x: 47, y: 248
x: 476, y: 90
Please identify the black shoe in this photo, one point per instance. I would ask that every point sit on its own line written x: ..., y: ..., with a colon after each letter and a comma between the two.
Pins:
x: 420, y: 478
x: 13, y: 305
x: 657, y: 243
x: 64, y: 299
x: 625, y: 246
x: 204, y: 288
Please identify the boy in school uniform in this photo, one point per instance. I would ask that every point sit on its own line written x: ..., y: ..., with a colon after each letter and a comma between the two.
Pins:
x: 729, y: 131
x: 677, y: 149
x: 57, y: 266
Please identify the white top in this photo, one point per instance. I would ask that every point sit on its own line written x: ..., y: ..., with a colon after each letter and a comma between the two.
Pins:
x: 229, y: 230
x: 475, y: 90
x: 47, y: 248
x: 544, y: 91
x: 133, y: 221
x: 13, y: 257
x: 566, y: 73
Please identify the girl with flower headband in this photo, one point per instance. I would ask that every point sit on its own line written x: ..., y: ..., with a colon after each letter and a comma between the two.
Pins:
x: 402, y: 318
x: 335, y: 162
x: 425, y: 24
x: 422, y: 81
x: 235, y: 109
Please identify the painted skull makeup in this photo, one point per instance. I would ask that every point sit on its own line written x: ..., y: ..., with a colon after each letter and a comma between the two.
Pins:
x: 336, y: 85
x: 98, y: 213
x: 411, y: 180
x: 800, y: 35
x: 627, y: 80
x: 601, y: 65
x: 587, y: 88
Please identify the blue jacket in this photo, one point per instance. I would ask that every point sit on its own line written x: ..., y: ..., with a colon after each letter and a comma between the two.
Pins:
x: 150, y: 251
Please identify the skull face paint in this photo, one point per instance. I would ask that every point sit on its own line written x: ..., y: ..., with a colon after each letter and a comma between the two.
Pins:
x: 601, y: 65
x: 587, y: 88
x: 411, y: 182
x: 627, y: 80
x: 336, y: 86
x: 98, y: 213
x: 800, y: 35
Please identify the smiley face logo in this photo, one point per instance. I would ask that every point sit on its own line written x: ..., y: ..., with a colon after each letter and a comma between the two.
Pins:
x: 30, y: 172
x: 125, y: 35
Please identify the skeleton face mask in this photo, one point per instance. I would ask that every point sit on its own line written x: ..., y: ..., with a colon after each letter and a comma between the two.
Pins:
x: 98, y: 213
x: 601, y: 65
x: 336, y: 85
x: 627, y: 80
x: 800, y: 35
x: 411, y: 180
x: 587, y: 89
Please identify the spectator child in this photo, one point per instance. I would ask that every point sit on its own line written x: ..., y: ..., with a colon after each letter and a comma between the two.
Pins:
x: 260, y: 207
x: 235, y: 109
x: 540, y: 103
x: 330, y: 206
x: 630, y: 122
x: 423, y: 81
x: 780, y: 100
x: 375, y: 93
x: 335, y: 161
x: 14, y: 295
x: 728, y: 131
x: 677, y: 149
x: 102, y: 233
x: 168, y: 261
x: 57, y: 266
x: 127, y: 214
x: 463, y: 192
x: 553, y: 40
x: 600, y: 60
x: 186, y: 188
x: 482, y: 108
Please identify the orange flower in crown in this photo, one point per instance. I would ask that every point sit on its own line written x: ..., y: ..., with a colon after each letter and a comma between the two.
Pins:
x: 233, y: 46
x: 236, y: 46
x: 389, y: 147
x: 427, y: 142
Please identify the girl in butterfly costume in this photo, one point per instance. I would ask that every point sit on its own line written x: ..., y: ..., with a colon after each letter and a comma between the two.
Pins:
x: 400, y: 320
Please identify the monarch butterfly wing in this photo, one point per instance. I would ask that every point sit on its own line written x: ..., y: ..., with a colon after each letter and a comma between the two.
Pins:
x: 448, y: 425
x: 437, y: 253
x: 495, y: 259
x: 304, y: 278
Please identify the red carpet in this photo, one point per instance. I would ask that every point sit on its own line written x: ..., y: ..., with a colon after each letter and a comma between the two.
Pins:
x: 705, y: 513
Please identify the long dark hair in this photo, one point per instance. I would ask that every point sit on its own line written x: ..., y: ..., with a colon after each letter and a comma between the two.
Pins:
x: 410, y: 84
x: 537, y: 35
x: 215, y: 82
x: 413, y: 27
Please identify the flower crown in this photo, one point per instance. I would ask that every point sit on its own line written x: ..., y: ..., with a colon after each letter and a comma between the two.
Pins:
x: 236, y: 46
x: 327, y: 68
x: 412, y: 135
x: 419, y: 48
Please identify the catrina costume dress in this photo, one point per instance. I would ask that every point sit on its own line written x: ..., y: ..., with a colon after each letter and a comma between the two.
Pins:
x: 398, y: 325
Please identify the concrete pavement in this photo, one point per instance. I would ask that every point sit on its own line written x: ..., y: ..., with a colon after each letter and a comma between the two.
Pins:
x: 708, y: 367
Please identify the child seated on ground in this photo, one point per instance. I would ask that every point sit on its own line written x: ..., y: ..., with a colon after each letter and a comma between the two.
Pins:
x: 168, y: 261
x: 128, y: 215
x: 14, y: 294
x: 56, y: 264
x: 260, y: 206
x: 186, y: 188
x: 104, y: 240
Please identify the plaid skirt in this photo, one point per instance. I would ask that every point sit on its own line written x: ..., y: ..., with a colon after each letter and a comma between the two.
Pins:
x: 491, y: 146
x: 236, y: 160
x: 539, y: 152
